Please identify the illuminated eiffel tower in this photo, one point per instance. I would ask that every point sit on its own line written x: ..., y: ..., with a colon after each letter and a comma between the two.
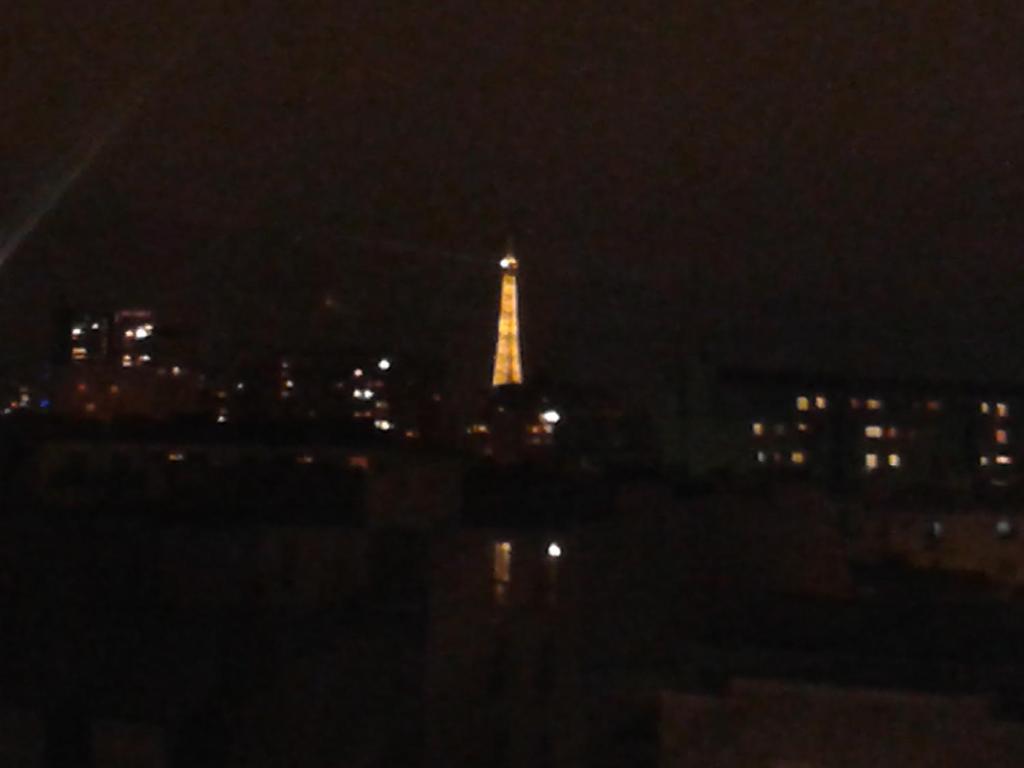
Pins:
x: 508, y: 361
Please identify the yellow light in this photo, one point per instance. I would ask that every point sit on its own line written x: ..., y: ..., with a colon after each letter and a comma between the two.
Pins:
x: 894, y: 460
x: 874, y: 404
x: 797, y: 457
x: 803, y: 403
x: 757, y: 428
x: 479, y: 429
x: 801, y: 426
x: 871, y: 460
x: 873, y: 431
x: 503, y: 562
x: 554, y: 550
x: 984, y: 407
x: 126, y: 361
x: 820, y: 402
x: 383, y: 425
x: 79, y: 353
x: 509, y: 262
x: 1002, y: 410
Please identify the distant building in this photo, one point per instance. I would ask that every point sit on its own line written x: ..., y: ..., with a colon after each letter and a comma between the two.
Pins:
x: 853, y: 433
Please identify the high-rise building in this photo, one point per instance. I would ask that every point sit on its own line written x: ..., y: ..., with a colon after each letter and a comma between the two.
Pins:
x: 508, y: 361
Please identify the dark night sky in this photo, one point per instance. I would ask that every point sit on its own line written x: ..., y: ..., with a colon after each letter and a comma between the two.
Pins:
x: 819, y: 184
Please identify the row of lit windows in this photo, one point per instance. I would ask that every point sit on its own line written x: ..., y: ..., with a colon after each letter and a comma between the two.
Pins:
x: 872, y: 461
x: 803, y: 403
x: 795, y: 457
x: 875, y: 431
x: 1002, y: 459
x: 1002, y: 410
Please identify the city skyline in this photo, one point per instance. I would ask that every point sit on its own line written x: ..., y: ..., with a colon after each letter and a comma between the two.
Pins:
x: 844, y: 208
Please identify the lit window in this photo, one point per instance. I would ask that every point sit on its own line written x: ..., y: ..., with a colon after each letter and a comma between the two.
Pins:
x: 304, y: 458
x: 554, y: 550
x: 874, y: 404
x: 384, y: 364
x: 1004, y: 459
x: 357, y: 373
x: 240, y: 386
x: 478, y: 429
x: 1004, y: 529
x: 503, y: 562
x: 114, y: 389
x: 797, y: 457
x: 412, y: 434
x: 126, y: 361
x: 984, y: 407
x: 891, y: 432
x: 936, y: 529
x: 934, y: 405
x: 984, y: 461
x: 871, y: 460
x: 175, y: 456
x: 820, y: 402
x: 176, y: 370
x: 1002, y: 410
x: 289, y: 383
x: 76, y: 332
x: 873, y: 431
x: 383, y: 425
x: 855, y: 403
x: 1001, y: 436
x: 801, y: 426
x: 757, y: 428
x: 894, y: 460
x: 803, y: 403
x: 90, y: 407
x: 358, y: 462
x: 762, y: 457
x: 79, y: 353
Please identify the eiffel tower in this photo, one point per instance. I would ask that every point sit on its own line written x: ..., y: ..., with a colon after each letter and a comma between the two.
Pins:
x: 508, y: 361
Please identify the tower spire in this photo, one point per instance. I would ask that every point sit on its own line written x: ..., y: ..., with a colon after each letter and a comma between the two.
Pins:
x: 508, y: 361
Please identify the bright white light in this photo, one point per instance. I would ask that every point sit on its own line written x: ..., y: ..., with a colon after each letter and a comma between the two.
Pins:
x: 358, y: 373
x: 144, y: 358
x: 554, y: 550
x: 176, y: 371
x: 221, y: 418
x: 363, y: 394
x: 95, y: 326
x: 551, y: 417
x: 289, y: 383
x: 508, y: 261
x: 141, y: 332
x: 384, y: 364
x: 240, y: 386
x: 76, y: 332
x: 383, y: 425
